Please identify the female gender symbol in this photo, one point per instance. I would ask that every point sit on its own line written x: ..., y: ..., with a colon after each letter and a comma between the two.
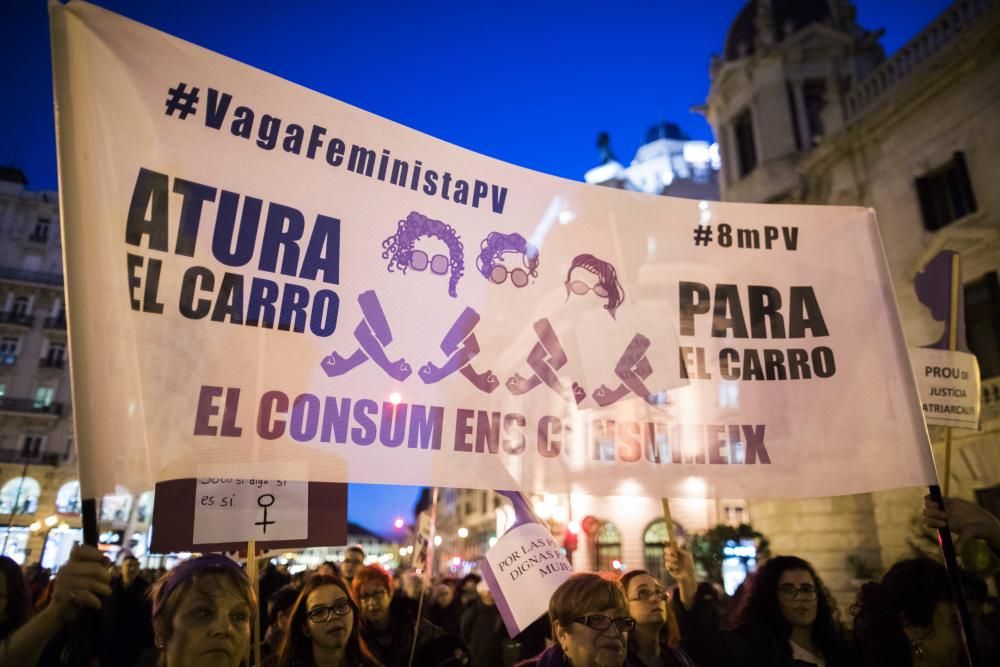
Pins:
x: 264, y: 504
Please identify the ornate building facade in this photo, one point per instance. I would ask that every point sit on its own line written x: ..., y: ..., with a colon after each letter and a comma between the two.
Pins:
x: 807, y: 109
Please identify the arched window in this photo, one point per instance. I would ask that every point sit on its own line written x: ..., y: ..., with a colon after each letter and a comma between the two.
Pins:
x: 20, y: 496
x: 68, y: 498
x: 117, y: 507
x: 654, y: 540
x: 608, y: 546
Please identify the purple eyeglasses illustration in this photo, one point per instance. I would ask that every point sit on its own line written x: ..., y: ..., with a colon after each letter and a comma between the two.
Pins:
x: 491, y: 254
x: 607, y: 286
x: 398, y: 249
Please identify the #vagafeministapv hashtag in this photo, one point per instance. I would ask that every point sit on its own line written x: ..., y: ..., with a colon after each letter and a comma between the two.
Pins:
x: 182, y: 100
x: 771, y: 237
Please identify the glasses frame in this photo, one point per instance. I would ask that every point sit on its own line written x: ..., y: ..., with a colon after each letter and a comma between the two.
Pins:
x: 805, y: 592
x: 622, y: 623
x: 647, y: 594
x: 329, y: 611
x: 429, y: 262
x: 597, y: 289
x: 375, y: 595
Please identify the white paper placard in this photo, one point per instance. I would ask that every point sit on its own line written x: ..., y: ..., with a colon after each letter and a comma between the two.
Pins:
x: 949, y: 386
x: 524, y: 568
x: 232, y: 509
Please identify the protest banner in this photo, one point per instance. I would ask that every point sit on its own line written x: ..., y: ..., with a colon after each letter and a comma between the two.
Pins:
x: 258, y: 274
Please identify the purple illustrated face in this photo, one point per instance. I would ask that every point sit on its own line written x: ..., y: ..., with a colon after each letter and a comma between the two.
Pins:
x: 507, y: 255
x: 589, y: 274
x: 402, y: 254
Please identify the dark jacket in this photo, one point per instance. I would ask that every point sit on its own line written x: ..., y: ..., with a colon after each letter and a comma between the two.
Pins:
x: 484, y: 633
x: 435, y: 647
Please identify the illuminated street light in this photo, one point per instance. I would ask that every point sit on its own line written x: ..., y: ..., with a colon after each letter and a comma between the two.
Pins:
x: 437, y: 540
x: 398, y: 523
x: 463, y: 532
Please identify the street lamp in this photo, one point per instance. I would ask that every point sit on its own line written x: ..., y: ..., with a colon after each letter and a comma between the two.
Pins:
x: 398, y: 523
x: 463, y: 532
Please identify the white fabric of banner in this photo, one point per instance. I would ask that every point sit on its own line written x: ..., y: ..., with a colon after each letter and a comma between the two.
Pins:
x: 256, y: 272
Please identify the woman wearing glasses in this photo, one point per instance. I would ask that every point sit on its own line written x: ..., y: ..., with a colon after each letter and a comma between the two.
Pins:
x: 657, y: 639
x: 785, y: 617
x: 590, y: 624
x: 323, y: 630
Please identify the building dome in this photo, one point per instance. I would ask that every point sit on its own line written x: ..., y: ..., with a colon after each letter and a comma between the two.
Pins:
x: 787, y: 17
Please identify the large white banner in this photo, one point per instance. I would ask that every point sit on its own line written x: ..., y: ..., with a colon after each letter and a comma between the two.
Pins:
x: 259, y: 274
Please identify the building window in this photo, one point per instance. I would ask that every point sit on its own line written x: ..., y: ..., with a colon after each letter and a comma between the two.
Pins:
x: 20, y: 306
x: 8, y: 350
x: 31, y: 445
x: 41, y: 232
x: 746, y: 148
x: 982, y: 323
x: 55, y: 356
x: 814, y: 99
x: 117, y: 507
x: 607, y: 547
x: 44, y: 396
x: 945, y: 193
x: 793, y: 110
x: 654, y: 541
x: 68, y: 498
x: 145, y: 512
x: 20, y: 496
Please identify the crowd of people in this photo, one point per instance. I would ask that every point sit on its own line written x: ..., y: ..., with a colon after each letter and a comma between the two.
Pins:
x: 201, y: 613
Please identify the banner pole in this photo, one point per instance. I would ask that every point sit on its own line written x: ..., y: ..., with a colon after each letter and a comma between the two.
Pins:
x: 254, y: 575
x: 426, y: 574
x: 671, y: 538
x: 955, y: 583
x: 956, y: 277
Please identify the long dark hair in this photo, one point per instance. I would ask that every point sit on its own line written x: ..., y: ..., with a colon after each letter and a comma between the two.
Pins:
x: 18, y: 608
x: 296, y: 647
x: 758, y: 611
x: 910, y: 589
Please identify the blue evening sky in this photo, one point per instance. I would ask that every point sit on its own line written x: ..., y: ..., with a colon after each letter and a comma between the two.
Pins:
x: 528, y: 82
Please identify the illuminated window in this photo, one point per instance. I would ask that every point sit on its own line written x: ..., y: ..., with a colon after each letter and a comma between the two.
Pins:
x: 608, y: 547
x: 20, y: 496
x: 68, y: 498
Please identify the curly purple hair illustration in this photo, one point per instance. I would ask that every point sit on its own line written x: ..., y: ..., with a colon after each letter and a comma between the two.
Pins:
x: 607, y: 280
x: 498, y: 244
x: 398, y: 248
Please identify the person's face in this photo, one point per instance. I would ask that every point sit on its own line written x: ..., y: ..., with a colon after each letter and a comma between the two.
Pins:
x: 412, y: 585
x: 582, y: 282
x: 797, y: 597
x: 326, y: 570
x: 352, y: 563
x: 485, y: 596
x: 374, y: 599
x: 443, y: 595
x: 334, y: 631
x: 940, y: 641
x: 647, y: 602
x: 130, y: 570
x: 587, y: 647
x: 211, y: 626
x: 469, y: 591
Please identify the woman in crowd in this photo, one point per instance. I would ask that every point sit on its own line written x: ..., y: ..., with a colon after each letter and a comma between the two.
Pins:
x: 908, y: 618
x: 785, y: 617
x: 387, y: 625
x: 590, y: 624
x: 324, y: 628
x: 15, y: 601
x: 202, y: 613
x: 445, y: 609
x: 656, y: 640
x: 81, y: 583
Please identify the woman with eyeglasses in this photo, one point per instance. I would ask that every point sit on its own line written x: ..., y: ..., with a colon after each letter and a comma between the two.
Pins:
x: 657, y: 638
x: 785, y: 617
x: 323, y: 629
x: 590, y: 624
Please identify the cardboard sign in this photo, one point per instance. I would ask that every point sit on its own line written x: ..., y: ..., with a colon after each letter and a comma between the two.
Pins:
x: 522, y: 570
x: 949, y: 385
